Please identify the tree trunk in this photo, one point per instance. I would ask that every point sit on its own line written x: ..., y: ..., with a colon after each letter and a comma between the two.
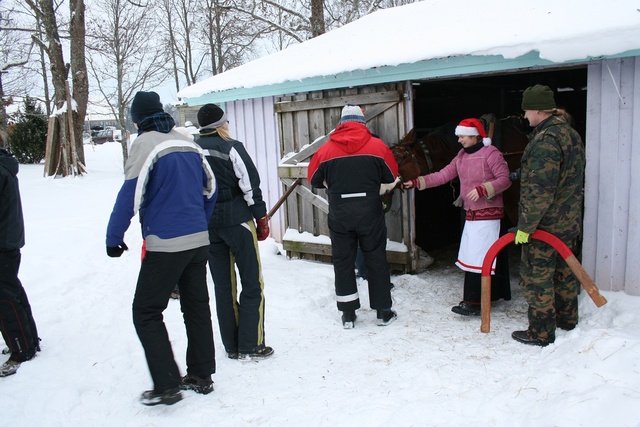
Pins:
x: 317, y: 18
x: 65, y: 164
x: 4, y: 134
x: 79, y: 74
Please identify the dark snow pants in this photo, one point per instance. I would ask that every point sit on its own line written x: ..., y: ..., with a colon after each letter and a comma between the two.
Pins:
x: 550, y: 288
x: 353, y: 221
x: 159, y: 273
x: 16, y: 320
x: 241, y: 320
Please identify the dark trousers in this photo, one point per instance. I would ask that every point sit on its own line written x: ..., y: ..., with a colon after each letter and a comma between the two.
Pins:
x: 353, y: 223
x: 500, y: 282
x: 550, y: 288
x: 361, y: 269
x: 16, y: 320
x: 241, y: 320
x: 159, y: 273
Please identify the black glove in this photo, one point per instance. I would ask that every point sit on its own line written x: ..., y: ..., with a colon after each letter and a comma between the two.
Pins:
x: 116, y: 251
x: 515, y: 175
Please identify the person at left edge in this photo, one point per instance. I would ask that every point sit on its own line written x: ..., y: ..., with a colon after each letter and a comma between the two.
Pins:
x: 170, y: 184
x: 16, y: 319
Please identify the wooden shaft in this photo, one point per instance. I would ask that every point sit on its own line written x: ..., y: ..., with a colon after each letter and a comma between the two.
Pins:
x: 587, y: 283
x: 279, y: 203
x: 485, y: 304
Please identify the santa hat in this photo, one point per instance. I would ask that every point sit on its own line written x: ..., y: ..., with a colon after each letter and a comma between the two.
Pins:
x: 471, y: 127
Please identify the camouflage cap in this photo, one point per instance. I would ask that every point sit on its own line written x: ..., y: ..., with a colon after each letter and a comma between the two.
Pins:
x: 538, y: 97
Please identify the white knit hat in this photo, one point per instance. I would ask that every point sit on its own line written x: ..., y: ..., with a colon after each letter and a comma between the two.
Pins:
x: 352, y: 113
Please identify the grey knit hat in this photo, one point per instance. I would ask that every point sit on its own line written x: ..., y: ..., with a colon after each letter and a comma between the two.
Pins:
x: 210, y: 116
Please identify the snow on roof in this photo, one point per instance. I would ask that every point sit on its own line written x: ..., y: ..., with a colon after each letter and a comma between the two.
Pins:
x: 560, y: 31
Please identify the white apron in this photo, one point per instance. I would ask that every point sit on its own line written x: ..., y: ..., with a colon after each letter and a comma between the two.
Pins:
x: 477, y: 238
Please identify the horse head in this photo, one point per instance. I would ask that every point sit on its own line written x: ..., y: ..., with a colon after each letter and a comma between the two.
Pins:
x: 405, y: 154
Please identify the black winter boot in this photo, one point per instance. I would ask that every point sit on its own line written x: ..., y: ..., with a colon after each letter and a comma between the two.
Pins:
x: 466, y: 309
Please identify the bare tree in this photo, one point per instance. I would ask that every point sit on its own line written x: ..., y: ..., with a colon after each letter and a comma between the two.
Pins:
x: 180, y: 23
x: 64, y: 146
x: 317, y: 18
x: 231, y: 37
x: 127, y: 56
x: 14, y: 54
x: 80, y: 78
x: 33, y: 74
x: 296, y: 21
x: 205, y: 38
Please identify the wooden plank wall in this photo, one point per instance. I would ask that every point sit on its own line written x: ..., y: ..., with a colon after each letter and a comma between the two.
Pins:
x: 612, y: 207
x: 300, y: 126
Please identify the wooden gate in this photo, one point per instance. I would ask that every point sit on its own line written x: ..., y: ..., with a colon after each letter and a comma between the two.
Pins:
x: 304, y: 121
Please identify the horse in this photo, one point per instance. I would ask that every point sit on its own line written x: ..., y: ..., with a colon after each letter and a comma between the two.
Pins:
x: 424, y: 151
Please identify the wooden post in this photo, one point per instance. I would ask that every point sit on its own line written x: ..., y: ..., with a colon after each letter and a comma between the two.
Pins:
x: 76, y: 168
x: 51, y: 151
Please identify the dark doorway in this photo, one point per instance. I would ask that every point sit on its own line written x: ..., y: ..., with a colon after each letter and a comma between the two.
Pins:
x: 436, y: 103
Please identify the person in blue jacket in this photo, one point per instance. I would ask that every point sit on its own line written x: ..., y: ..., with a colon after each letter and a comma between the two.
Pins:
x: 169, y: 183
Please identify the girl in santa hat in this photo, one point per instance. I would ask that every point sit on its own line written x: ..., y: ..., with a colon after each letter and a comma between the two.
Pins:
x: 484, y: 176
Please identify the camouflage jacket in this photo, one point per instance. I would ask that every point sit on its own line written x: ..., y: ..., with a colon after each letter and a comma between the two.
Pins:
x: 552, y: 180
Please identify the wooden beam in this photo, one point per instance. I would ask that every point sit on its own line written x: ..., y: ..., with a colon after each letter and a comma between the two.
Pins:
x: 340, y: 101
x: 307, y: 151
x: 51, y: 150
x: 312, y: 148
x: 290, y: 171
x: 393, y: 257
x: 308, y: 195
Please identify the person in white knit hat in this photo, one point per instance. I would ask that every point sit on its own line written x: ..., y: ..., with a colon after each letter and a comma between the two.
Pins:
x: 352, y: 166
x: 484, y: 176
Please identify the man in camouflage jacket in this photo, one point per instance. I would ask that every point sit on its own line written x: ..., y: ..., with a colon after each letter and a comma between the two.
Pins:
x: 551, y: 199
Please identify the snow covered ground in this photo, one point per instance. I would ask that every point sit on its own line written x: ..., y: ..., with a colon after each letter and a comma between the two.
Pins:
x: 429, y: 368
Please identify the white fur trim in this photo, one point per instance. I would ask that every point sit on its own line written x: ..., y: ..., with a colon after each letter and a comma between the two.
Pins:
x: 486, y: 141
x: 466, y: 131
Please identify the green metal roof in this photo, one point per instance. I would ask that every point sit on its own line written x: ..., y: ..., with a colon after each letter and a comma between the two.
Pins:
x: 422, y: 70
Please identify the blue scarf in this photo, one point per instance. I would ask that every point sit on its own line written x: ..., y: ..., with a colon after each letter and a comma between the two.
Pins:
x: 160, y: 122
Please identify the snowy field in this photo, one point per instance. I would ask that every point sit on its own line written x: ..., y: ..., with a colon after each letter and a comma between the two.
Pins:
x: 429, y: 368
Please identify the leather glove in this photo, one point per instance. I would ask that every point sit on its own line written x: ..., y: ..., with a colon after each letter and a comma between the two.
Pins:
x: 116, y: 251
x: 521, y: 237
x: 515, y: 175
x: 262, y: 228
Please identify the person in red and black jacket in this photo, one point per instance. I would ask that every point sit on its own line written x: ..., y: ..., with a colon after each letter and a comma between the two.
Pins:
x: 353, y: 165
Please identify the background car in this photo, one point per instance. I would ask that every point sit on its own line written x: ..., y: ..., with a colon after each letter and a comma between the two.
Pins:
x: 107, y: 135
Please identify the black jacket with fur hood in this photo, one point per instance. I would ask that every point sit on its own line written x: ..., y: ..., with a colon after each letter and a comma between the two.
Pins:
x: 11, y: 221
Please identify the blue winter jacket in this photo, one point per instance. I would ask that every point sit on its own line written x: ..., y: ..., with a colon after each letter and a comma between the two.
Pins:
x: 169, y: 182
